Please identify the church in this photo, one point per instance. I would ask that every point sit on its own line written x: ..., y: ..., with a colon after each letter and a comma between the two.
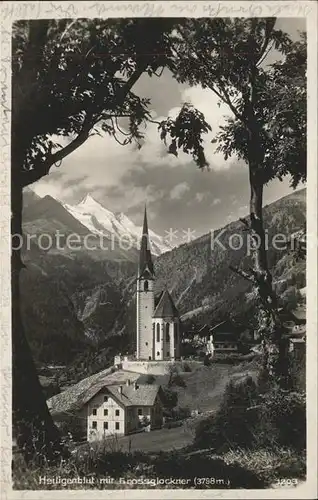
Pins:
x: 158, y: 326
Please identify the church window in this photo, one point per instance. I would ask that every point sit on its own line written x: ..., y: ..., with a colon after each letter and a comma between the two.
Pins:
x: 167, y: 332
x: 158, y: 353
x: 175, y: 333
x: 158, y: 332
x: 146, y: 286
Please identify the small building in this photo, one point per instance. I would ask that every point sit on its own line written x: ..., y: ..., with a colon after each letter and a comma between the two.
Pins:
x: 224, y: 337
x: 123, y: 409
x: 297, y: 347
x: 200, y: 334
x: 292, y: 318
x: 295, y: 325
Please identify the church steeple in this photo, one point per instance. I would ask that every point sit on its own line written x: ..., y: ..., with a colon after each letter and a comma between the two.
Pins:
x: 145, y: 261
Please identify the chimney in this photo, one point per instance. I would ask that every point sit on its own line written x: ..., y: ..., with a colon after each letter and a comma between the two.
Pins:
x: 128, y: 382
x: 135, y: 386
x: 120, y: 389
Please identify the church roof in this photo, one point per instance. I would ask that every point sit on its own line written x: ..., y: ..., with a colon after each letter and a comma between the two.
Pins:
x: 166, y: 307
x: 145, y: 261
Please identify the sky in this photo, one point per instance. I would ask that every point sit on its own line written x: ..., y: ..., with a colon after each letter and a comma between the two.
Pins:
x: 178, y: 195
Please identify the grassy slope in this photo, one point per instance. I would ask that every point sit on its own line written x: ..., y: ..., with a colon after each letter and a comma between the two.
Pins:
x: 205, y: 386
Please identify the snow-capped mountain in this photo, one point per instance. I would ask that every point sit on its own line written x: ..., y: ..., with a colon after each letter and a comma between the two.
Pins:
x: 101, y: 221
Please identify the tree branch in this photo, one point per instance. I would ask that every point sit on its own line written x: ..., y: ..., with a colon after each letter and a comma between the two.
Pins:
x: 270, y: 23
x: 264, y: 55
x: 226, y: 98
x: 244, y: 221
x: 42, y: 168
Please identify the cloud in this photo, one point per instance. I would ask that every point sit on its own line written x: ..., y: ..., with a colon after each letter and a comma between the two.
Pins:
x: 179, y: 190
x: 101, y: 164
x: 199, y: 196
x: 215, y: 202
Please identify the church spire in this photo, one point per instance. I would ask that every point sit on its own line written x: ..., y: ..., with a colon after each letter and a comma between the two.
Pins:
x: 145, y: 260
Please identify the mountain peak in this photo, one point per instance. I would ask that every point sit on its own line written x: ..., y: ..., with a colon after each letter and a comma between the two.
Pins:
x: 88, y: 200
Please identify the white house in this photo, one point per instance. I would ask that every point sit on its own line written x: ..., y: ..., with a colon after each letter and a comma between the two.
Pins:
x: 123, y: 409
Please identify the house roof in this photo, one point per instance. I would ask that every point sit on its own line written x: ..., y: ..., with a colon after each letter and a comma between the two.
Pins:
x: 216, y: 326
x: 300, y: 312
x: 166, y: 307
x: 143, y: 395
x: 77, y: 395
x: 204, y: 330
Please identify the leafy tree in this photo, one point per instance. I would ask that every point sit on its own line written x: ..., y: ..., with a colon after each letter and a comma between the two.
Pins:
x: 267, y: 129
x: 169, y: 399
x: 74, y: 79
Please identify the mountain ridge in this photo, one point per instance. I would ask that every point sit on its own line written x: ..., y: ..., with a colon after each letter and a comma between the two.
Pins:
x: 89, y: 217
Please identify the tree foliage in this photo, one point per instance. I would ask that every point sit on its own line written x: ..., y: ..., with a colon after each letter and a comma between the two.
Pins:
x: 76, y: 79
x: 228, y: 56
x: 281, y: 114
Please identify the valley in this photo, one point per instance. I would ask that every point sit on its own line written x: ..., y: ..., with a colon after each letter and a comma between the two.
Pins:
x: 78, y: 306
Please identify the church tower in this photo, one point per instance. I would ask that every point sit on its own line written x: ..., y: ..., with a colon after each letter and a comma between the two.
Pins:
x: 145, y: 297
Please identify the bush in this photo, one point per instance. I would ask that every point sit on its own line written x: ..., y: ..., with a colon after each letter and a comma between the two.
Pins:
x: 233, y: 424
x: 298, y: 373
x: 255, y: 417
x: 177, y: 380
x: 169, y: 400
x: 290, y: 298
x: 186, y: 367
x: 207, y: 360
x: 181, y: 413
x: 172, y: 424
x: 72, y: 428
x: 282, y: 419
x: 150, y: 379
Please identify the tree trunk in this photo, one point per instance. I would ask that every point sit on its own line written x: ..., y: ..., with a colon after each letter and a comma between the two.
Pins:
x: 33, y: 428
x: 275, y: 359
